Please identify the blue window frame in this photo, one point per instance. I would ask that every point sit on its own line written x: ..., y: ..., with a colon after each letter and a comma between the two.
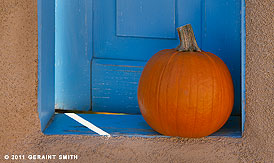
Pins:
x: 83, y: 48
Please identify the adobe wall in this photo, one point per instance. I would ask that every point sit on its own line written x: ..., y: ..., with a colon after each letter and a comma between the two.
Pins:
x: 20, y: 127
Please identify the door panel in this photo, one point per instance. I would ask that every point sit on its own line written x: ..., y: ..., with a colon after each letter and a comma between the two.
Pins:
x: 144, y: 18
x: 114, y: 85
x: 113, y: 40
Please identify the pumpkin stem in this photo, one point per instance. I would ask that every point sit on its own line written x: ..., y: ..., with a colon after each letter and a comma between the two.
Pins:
x: 187, y: 39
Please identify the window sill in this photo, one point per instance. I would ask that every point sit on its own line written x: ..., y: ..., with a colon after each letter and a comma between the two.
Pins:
x: 124, y: 125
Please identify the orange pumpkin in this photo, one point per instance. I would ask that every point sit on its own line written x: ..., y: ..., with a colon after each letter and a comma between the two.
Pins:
x: 185, y: 91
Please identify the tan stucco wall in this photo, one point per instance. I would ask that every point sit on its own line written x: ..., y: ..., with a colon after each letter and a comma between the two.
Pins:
x: 20, y: 127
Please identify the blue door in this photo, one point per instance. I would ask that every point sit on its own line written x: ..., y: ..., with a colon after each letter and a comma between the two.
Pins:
x: 126, y: 33
x: 106, y: 43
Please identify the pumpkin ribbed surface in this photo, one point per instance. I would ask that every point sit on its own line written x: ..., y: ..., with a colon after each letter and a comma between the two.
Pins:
x: 187, y: 94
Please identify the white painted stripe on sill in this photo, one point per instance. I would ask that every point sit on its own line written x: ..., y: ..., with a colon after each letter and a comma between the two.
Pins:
x: 87, y: 124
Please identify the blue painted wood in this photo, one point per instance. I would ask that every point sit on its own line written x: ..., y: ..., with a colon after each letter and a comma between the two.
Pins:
x: 114, y: 85
x: 214, y: 33
x: 108, y: 45
x: 190, y: 12
x: 46, y: 23
x: 73, y: 54
x: 123, y: 125
x: 74, y: 31
x: 222, y: 36
x: 232, y: 128
x: 46, y: 46
x: 243, y: 53
x: 142, y: 18
x: 113, y: 124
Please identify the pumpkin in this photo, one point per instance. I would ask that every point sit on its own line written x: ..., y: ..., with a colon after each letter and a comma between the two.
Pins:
x: 185, y: 91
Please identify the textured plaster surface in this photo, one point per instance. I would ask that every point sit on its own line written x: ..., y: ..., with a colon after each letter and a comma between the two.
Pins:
x: 20, y: 127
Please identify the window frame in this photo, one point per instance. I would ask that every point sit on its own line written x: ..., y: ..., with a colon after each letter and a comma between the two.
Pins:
x: 46, y: 63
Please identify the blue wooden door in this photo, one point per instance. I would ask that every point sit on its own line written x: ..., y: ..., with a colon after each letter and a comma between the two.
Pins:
x: 126, y: 33
x: 103, y: 45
